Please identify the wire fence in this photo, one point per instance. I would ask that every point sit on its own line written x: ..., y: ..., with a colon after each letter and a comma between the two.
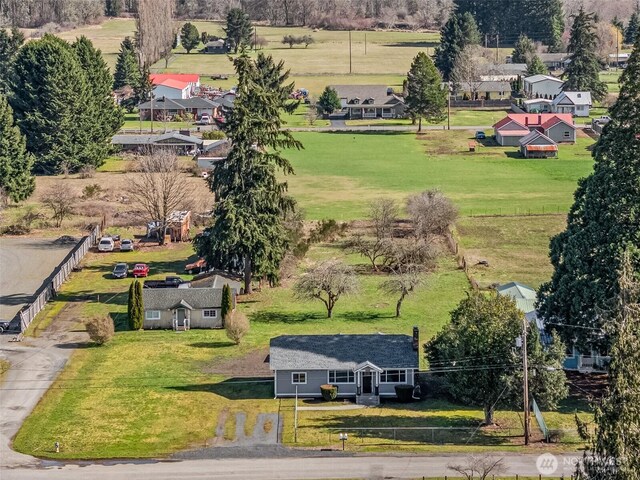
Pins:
x: 517, y: 211
x: 59, y: 275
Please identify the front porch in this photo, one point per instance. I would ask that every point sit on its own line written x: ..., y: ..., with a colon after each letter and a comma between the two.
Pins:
x: 182, y: 316
x: 367, y: 384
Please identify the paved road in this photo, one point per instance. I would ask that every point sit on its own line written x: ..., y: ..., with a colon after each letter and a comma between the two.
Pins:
x: 378, y: 467
x: 24, y: 264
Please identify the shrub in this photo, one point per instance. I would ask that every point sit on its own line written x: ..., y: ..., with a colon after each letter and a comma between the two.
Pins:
x: 329, y: 392
x: 87, y: 171
x: 91, y: 191
x: 100, y: 329
x: 404, y: 393
x: 326, y: 230
x: 555, y: 436
x: 227, y: 304
x: 236, y: 326
x: 213, y: 135
x: 135, y: 307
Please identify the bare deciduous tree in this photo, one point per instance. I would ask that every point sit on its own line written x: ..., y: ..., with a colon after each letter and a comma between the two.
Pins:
x: 155, y: 30
x: 60, y: 200
x: 327, y: 282
x: 480, y: 467
x: 236, y: 326
x: 383, y: 213
x: 467, y: 68
x: 160, y: 187
x: 432, y: 212
x: 403, y: 284
x: 371, y: 249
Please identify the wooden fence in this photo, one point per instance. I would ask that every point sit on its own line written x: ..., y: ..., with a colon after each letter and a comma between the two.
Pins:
x: 58, y: 277
x: 454, y: 246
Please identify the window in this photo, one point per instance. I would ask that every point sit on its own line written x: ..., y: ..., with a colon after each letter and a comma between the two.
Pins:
x: 209, y: 313
x: 341, y: 376
x: 393, y: 376
x: 299, y: 377
x: 567, y: 134
x: 152, y: 314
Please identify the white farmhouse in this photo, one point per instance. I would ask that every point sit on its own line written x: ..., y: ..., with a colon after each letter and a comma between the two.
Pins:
x: 577, y: 104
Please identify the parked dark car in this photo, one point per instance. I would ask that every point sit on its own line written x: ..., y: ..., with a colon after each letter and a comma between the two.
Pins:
x: 4, y: 326
x: 121, y: 270
x: 480, y: 135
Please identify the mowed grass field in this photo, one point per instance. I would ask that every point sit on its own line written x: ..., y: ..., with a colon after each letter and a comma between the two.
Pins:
x: 337, y: 174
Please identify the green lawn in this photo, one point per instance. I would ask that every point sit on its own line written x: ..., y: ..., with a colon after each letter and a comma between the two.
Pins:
x: 459, y: 118
x: 517, y: 248
x: 339, y: 173
x: 611, y: 79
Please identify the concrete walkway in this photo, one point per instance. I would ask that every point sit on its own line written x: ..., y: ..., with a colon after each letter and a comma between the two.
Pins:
x: 339, y: 407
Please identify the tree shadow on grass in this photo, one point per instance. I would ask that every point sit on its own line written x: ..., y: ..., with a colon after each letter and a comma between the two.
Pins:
x: 417, y: 44
x: 237, y: 388
x: 212, y: 344
x: 366, y: 316
x: 278, y: 317
x: 448, y: 430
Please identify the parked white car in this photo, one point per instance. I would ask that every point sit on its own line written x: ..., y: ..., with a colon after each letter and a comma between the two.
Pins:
x: 205, y: 119
x: 106, y: 244
x: 126, y: 245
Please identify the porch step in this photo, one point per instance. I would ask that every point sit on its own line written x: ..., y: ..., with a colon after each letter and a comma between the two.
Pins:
x: 369, y: 400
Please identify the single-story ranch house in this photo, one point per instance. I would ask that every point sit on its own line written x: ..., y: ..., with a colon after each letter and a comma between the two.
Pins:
x: 182, y: 142
x: 558, y: 127
x: 362, y: 366
x: 167, y: 108
x: 483, y: 91
x: 369, y: 101
x: 182, y: 308
x: 215, y: 46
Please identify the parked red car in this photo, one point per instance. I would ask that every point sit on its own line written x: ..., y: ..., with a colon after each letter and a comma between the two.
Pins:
x: 140, y: 270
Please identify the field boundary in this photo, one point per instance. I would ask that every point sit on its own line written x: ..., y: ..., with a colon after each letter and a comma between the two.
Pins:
x: 461, y: 260
x: 50, y: 286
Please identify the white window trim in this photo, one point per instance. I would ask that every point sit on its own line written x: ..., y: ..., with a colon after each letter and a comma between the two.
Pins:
x: 403, y: 372
x: 299, y: 373
x: 205, y: 310
x: 341, y: 383
x: 156, y: 315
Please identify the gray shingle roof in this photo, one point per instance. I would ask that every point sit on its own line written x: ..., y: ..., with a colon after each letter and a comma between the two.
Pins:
x: 379, y: 93
x: 164, y: 103
x: 166, y: 298
x: 341, y: 352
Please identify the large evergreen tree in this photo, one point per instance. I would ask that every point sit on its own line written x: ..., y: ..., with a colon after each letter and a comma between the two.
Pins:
x: 329, y: 101
x: 583, y: 71
x: 615, y: 453
x: 248, y: 233
x: 10, y: 43
x: 425, y: 96
x: 535, y: 66
x: 604, y: 218
x: 457, y: 33
x: 189, y: 36
x: 633, y: 27
x: 15, y: 163
x: 50, y: 99
x: 127, y: 69
x: 238, y: 29
x: 524, y: 50
x: 106, y: 117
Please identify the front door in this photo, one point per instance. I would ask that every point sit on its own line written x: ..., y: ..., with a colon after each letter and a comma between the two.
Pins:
x: 181, y: 317
x: 367, y: 383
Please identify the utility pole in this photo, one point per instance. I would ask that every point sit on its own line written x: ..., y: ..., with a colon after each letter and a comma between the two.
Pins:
x: 525, y: 381
x: 448, y: 105
x: 617, y: 48
x: 498, y: 48
x: 365, y: 43
x: 350, y: 64
x: 486, y: 41
x: 295, y: 420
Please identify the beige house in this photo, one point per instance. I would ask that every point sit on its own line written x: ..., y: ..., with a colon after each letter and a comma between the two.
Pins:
x: 182, y: 308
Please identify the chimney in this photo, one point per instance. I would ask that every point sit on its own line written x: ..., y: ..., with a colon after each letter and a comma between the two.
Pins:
x: 539, y: 119
x: 416, y: 339
x: 526, y: 121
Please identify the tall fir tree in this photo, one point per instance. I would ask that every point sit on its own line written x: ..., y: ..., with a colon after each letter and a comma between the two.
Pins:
x: 127, y: 69
x: 189, y: 36
x: 615, y: 452
x: 238, y: 29
x: 248, y: 233
x: 136, y: 318
x: 10, y: 43
x: 107, y: 117
x: 457, y: 33
x: 131, y: 305
x: 50, y: 98
x: 536, y: 66
x: 524, y: 50
x: 633, y: 28
x: 15, y: 162
x: 583, y: 71
x: 226, y: 306
x: 604, y: 218
x: 425, y: 96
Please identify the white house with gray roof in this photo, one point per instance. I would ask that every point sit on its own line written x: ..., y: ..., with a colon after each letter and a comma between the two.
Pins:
x: 577, y: 104
x: 182, y: 308
x: 366, y: 367
x: 369, y: 101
